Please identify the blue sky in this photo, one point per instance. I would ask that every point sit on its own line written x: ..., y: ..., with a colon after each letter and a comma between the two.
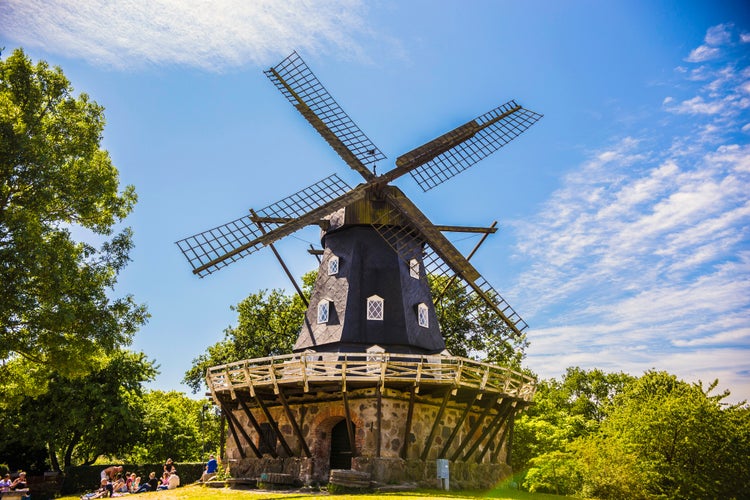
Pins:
x: 624, y: 212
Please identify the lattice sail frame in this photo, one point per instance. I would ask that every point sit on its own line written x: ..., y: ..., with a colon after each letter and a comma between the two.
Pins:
x: 204, y: 248
x: 479, y: 292
x: 487, y: 133
x: 303, y: 90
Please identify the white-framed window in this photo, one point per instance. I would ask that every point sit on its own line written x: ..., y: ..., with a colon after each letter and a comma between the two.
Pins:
x: 423, y: 316
x: 333, y: 265
x: 323, y: 310
x: 414, y: 268
x: 375, y: 308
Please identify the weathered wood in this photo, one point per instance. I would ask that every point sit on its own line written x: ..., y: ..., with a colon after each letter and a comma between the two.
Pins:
x: 458, y: 425
x: 274, y: 425
x: 232, y: 431
x: 501, y: 414
x: 462, y: 444
x: 435, y: 425
x: 492, y: 432
x: 256, y: 426
x: 380, y: 420
x: 295, y: 425
x: 407, y: 426
x: 349, y: 424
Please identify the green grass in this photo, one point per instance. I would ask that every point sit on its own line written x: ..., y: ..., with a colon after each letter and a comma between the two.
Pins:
x: 195, y: 492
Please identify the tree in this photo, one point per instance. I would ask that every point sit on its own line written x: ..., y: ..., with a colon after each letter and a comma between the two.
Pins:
x: 55, y: 308
x: 481, y: 335
x: 268, y: 325
x: 77, y: 419
x: 684, y: 442
x: 176, y: 426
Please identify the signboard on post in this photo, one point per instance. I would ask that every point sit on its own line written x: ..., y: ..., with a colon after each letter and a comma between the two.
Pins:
x: 443, y: 473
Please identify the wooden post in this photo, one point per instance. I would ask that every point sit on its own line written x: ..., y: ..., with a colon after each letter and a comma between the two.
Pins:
x: 256, y: 426
x: 458, y: 425
x: 233, y: 431
x: 501, y: 415
x: 436, y: 424
x: 407, y: 426
x: 349, y: 426
x: 380, y: 420
x: 492, y: 432
x: 295, y: 425
x: 474, y: 428
x: 275, y: 426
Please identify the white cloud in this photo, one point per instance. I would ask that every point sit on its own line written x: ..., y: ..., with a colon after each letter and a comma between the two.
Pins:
x: 718, y: 35
x: 207, y: 35
x: 702, y: 53
x: 641, y: 259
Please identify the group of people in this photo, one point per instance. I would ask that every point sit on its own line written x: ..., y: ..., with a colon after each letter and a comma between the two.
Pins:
x: 17, y: 484
x: 116, y: 483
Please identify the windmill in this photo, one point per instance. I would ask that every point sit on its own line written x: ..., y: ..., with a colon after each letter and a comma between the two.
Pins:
x: 372, y: 293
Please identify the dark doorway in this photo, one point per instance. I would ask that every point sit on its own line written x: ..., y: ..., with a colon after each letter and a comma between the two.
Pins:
x: 341, y: 449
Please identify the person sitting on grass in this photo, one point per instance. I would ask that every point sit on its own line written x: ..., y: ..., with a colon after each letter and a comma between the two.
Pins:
x: 5, y: 483
x: 19, y: 483
x: 174, y: 480
x: 210, y: 470
x: 164, y: 482
x: 149, y: 485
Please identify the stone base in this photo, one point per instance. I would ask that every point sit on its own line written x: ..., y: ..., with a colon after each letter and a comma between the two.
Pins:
x: 384, y: 471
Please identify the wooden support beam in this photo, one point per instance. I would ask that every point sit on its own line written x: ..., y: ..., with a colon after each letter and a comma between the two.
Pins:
x: 238, y: 425
x: 274, y: 425
x: 227, y: 414
x: 380, y: 421
x: 473, y: 429
x: 502, y: 410
x: 467, y: 229
x: 509, y: 446
x: 435, y: 425
x: 295, y: 425
x: 349, y: 424
x: 490, y: 433
x: 407, y: 426
x: 458, y: 425
x: 256, y: 426
x: 499, y: 444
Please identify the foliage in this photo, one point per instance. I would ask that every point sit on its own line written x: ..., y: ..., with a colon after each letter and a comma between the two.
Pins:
x: 78, y: 419
x: 268, y: 325
x: 175, y: 426
x: 56, y: 181
x: 483, y: 335
x: 615, y: 436
x: 685, y: 442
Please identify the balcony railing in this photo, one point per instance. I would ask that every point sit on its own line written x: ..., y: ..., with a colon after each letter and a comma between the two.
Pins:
x: 308, y: 368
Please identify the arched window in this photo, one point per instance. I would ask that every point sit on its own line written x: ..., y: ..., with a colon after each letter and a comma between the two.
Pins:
x: 333, y: 265
x: 323, y: 306
x: 423, y: 316
x: 375, y: 308
x: 414, y: 268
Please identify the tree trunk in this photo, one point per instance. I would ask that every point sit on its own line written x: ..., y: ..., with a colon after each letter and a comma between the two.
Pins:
x: 71, y: 445
x: 53, y: 457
